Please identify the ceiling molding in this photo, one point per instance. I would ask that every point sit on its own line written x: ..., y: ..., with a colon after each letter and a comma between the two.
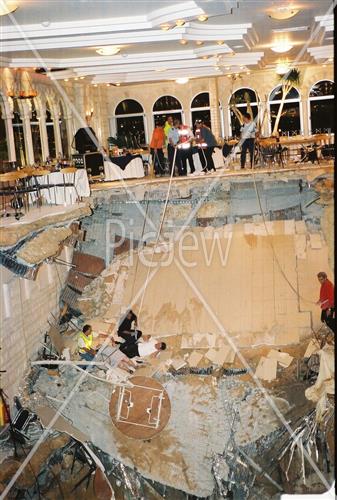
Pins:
x: 322, y: 52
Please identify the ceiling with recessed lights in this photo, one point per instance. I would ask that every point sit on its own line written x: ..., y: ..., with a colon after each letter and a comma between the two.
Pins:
x: 134, y: 41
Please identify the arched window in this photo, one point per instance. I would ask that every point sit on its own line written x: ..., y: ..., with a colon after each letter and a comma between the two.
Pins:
x: 63, y: 131
x: 200, y: 109
x: 35, y: 128
x: 290, y: 121
x: 19, y: 140
x: 3, y: 140
x: 321, y: 107
x: 50, y: 132
x: 240, y: 98
x: 165, y: 106
x: 130, y: 123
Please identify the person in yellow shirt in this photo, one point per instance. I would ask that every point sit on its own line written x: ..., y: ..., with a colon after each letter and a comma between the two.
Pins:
x: 167, y: 127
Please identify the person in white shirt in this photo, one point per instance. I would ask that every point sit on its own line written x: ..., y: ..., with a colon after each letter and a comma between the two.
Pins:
x: 248, y: 132
x: 147, y: 346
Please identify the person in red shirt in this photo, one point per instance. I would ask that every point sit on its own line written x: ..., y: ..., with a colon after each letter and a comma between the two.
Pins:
x: 327, y: 300
x: 156, y: 145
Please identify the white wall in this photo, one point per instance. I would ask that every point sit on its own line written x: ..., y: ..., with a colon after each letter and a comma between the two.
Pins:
x: 25, y: 308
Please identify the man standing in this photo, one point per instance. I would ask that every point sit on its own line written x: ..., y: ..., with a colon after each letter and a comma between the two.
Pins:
x: 185, y: 146
x: 173, y: 141
x: 156, y: 146
x: 206, y: 144
x: 248, y: 132
x: 167, y: 127
x: 327, y: 301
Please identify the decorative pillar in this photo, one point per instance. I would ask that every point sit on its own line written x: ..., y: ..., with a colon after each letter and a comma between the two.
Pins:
x: 43, y: 131
x: 214, y: 105
x: 304, y: 114
x: 10, y: 137
x: 27, y: 132
x: 149, y: 126
x: 57, y: 132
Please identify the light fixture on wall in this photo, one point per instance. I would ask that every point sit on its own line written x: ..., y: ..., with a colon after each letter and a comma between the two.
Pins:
x: 220, y: 42
x: 182, y: 80
x: 165, y: 26
x: 202, y: 18
x: 283, y: 12
x: 281, y: 47
x: 282, y: 68
x: 109, y: 50
x: 180, y: 22
x: 183, y: 41
x: 7, y: 7
x: 199, y: 42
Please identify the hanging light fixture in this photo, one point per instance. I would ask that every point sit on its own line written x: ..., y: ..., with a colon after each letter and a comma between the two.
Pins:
x: 7, y: 7
x: 17, y: 91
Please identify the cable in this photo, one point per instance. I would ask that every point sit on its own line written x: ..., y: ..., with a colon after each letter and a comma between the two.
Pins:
x: 141, y: 238
x: 159, y: 229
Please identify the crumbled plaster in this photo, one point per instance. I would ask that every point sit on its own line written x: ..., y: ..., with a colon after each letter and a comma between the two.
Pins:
x: 10, y: 235
x: 44, y: 245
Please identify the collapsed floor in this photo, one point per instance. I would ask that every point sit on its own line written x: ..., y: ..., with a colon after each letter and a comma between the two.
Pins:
x: 222, y: 428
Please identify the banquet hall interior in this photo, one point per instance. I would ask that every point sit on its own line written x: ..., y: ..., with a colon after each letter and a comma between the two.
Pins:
x: 167, y: 179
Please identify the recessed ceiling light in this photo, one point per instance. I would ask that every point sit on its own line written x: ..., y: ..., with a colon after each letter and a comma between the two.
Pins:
x: 330, y: 59
x: 237, y: 46
x: 248, y: 73
x: 109, y: 50
x: 82, y: 77
x: 160, y: 70
x: 66, y: 79
x: 229, y: 76
x: 7, y: 8
x: 182, y: 80
x: 199, y: 42
x: 242, y: 67
x: 204, y: 57
x: 217, y: 68
x: 183, y: 42
x: 281, y: 47
x: 283, y: 12
x: 202, y: 18
x: 108, y: 84
x: 220, y: 42
x: 323, y: 65
x: 228, y: 68
x: 294, y: 28
x: 180, y: 22
x: 95, y: 85
x: 165, y: 26
x: 76, y: 78
x: 118, y: 84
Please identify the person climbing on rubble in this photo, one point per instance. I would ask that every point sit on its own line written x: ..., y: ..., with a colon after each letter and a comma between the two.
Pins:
x: 125, y: 330
x: 113, y: 357
x: 327, y: 301
x: 147, y: 346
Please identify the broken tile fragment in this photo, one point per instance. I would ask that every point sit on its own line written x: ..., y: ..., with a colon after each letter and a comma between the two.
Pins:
x: 266, y: 369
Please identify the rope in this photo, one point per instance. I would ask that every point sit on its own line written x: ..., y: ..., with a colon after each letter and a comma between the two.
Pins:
x: 143, y: 229
x: 159, y: 231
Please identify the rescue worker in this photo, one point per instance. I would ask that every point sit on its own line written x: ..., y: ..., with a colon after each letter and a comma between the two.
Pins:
x: 85, y: 343
x: 185, y: 146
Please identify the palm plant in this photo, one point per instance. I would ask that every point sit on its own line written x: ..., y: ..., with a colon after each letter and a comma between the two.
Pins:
x: 288, y: 81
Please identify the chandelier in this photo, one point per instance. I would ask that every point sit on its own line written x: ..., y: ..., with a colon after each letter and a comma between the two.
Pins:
x: 19, y: 91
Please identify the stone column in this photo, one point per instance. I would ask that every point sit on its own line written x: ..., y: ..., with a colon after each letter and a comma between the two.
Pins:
x: 27, y: 132
x: 214, y: 105
x: 57, y: 132
x: 305, y: 114
x: 43, y: 133
x: 10, y: 137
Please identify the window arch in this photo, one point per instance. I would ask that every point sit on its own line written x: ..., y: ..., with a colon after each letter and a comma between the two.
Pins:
x: 63, y: 130
x: 19, y: 139
x: 321, y: 107
x: 200, y: 109
x: 166, y: 106
x: 239, y: 97
x: 291, y: 119
x: 130, y: 125
x: 129, y: 107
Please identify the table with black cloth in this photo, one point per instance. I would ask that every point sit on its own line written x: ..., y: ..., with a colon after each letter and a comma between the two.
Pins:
x: 123, y: 167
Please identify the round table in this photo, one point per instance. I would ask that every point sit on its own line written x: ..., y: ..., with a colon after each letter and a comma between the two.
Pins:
x: 140, y: 410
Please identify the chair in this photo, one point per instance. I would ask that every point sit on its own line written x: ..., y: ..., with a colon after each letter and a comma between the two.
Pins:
x: 69, y: 170
x: 37, y: 176
x: 13, y: 185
